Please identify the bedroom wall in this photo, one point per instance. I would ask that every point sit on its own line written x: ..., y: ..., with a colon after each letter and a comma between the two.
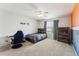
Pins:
x: 10, y: 23
x: 41, y: 24
x: 63, y: 21
x: 75, y: 16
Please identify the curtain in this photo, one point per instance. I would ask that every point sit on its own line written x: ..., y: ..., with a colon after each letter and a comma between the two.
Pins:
x: 55, y: 29
x: 45, y: 25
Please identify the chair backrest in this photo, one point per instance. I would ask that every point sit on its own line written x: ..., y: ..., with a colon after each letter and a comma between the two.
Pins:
x: 18, y: 37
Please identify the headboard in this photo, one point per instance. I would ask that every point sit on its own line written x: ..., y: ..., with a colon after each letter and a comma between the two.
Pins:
x: 41, y: 30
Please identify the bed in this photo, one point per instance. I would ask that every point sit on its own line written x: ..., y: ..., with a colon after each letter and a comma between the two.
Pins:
x: 35, y: 37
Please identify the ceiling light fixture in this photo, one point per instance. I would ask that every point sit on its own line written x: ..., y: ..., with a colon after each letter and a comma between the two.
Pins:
x: 42, y: 14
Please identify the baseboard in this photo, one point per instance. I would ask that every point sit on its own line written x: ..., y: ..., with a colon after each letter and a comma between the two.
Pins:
x: 74, y: 50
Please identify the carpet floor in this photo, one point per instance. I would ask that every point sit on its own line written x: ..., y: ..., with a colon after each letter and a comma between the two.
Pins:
x: 47, y: 47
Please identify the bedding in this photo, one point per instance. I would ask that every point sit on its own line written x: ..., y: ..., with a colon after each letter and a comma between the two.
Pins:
x: 36, y: 37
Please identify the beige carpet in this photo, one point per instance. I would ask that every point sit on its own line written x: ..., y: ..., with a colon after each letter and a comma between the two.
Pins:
x: 8, y: 47
x: 47, y: 47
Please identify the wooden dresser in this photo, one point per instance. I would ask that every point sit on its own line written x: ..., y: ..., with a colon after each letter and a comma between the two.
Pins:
x: 64, y: 34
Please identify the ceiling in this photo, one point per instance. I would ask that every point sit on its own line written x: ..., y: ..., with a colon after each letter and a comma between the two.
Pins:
x: 32, y: 10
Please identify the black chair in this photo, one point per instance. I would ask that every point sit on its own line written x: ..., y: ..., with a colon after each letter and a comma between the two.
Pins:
x: 18, y: 39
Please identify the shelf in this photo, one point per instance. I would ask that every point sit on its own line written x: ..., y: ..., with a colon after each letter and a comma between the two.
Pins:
x: 64, y: 37
x: 64, y: 34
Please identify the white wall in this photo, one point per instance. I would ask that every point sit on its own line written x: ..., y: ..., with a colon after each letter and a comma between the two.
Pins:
x: 64, y: 21
x: 10, y: 23
x: 40, y: 24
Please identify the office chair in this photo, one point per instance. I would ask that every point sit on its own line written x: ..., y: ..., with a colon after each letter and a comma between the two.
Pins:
x: 18, y: 39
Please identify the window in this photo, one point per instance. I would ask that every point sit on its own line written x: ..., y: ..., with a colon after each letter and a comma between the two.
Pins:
x: 49, y: 26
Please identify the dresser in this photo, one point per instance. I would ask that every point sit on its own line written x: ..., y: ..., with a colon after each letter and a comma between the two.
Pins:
x: 64, y: 34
